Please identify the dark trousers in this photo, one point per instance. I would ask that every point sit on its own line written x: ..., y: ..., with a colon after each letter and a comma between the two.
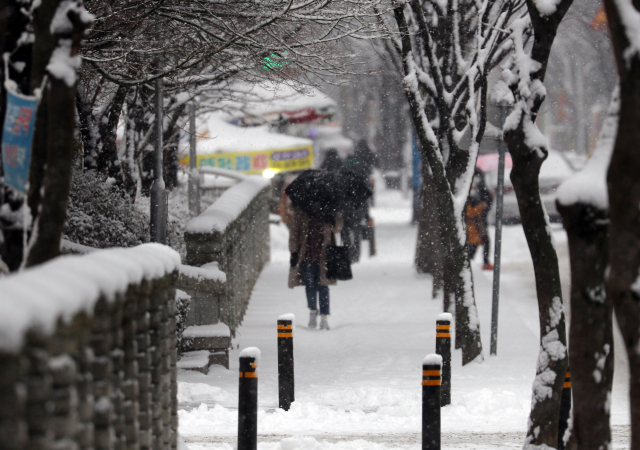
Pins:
x: 485, y: 249
x: 313, y: 288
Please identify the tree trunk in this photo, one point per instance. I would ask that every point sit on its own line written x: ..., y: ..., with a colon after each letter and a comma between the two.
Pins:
x: 451, y: 226
x: 57, y: 148
x: 553, y: 358
x: 623, y: 286
x: 591, y: 331
x: 13, y: 23
x: 57, y: 181
x: 107, y: 160
x: 42, y: 50
x: 582, y: 202
x: 429, y: 258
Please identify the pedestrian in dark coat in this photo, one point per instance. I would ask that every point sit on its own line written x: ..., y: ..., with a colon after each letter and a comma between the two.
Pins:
x: 308, y: 241
x: 332, y: 161
x: 477, y: 212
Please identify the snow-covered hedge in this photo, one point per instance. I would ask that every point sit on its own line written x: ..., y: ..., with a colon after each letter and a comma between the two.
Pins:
x: 101, y: 215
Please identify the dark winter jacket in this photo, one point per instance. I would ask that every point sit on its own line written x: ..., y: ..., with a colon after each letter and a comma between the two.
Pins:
x: 298, y: 233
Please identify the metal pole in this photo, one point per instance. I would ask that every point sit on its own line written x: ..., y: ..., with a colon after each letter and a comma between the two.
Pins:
x: 194, y: 175
x: 158, y: 213
x: 498, y: 238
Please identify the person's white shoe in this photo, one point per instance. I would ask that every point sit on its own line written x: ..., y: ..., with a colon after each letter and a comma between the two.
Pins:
x: 313, y: 319
x: 324, y: 325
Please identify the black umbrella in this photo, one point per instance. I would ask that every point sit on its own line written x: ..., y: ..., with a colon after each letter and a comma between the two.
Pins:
x: 322, y: 193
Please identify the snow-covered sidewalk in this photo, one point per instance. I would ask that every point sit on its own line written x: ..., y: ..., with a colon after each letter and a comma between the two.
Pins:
x: 358, y: 385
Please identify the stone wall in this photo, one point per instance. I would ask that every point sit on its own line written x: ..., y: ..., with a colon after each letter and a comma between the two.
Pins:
x: 105, y: 377
x: 240, y: 245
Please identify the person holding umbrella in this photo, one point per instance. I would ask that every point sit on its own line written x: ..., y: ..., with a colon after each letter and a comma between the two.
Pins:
x: 318, y: 198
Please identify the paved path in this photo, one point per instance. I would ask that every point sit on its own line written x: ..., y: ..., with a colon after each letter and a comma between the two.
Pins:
x: 358, y: 385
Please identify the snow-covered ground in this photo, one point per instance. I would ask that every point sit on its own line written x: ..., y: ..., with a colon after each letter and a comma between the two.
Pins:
x: 358, y: 385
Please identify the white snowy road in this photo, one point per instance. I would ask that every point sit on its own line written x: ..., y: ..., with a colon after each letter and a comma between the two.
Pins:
x: 358, y: 385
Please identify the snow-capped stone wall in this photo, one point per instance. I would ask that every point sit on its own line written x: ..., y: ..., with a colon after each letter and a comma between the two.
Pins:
x: 234, y: 233
x: 88, y: 352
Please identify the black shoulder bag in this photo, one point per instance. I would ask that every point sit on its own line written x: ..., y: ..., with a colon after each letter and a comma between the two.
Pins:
x: 338, y: 263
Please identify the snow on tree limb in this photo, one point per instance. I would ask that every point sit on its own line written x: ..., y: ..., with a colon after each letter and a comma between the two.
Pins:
x: 589, y: 186
x: 630, y: 20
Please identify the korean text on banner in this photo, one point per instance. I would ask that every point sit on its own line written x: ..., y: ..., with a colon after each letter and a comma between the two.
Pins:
x: 17, y: 135
x: 281, y: 160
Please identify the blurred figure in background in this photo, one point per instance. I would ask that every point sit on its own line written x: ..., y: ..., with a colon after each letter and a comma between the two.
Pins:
x: 332, y: 160
x: 362, y: 160
x: 358, y: 224
x: 285, y: 207
x: 477, y: 210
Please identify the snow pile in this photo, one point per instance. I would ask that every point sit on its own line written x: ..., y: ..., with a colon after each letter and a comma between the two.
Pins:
x: 546, y: 7
x: 228, y: 207
x: 262, y: 100
x: 37, y: 298
x: 589, y: 186
x: 206, y: 272
x: 215, y: 330
x: 200, y: 392
x: 194, y: 360
x: 66, y: 246
x: 219, y: 136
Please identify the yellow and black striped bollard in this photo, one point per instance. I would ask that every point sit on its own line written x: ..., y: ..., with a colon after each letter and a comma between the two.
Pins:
x: 286, y: 389
x: 565, y: 410
x: 443, y: 348
x: 431, y: 402
x: 248, y: 399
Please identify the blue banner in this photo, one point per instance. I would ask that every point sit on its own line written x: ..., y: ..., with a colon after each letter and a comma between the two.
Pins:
x: 17, y: 135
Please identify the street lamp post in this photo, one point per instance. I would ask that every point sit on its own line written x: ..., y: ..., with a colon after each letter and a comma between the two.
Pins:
x: 158, y: 207
x: 194, y: 175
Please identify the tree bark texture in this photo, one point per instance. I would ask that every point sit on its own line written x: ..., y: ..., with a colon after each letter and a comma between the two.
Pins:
x: 623, y: 285
x: 591, y: 328
x: 429, y: 251
x: 553, y: 360
x: 528, y: 154
x: 107, y: 160
x: 12, y: 25
x: 57, y: 148
x: 42, y: 50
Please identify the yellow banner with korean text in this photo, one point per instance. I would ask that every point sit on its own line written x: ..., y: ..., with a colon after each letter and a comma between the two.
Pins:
x: 281, y: 160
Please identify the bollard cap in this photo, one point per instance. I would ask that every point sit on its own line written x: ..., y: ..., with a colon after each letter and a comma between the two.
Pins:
x: 249, y: 361
x: 432, y: 360
x: 289, y: 316
x: 445, y: 316
x: 251, y: 352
